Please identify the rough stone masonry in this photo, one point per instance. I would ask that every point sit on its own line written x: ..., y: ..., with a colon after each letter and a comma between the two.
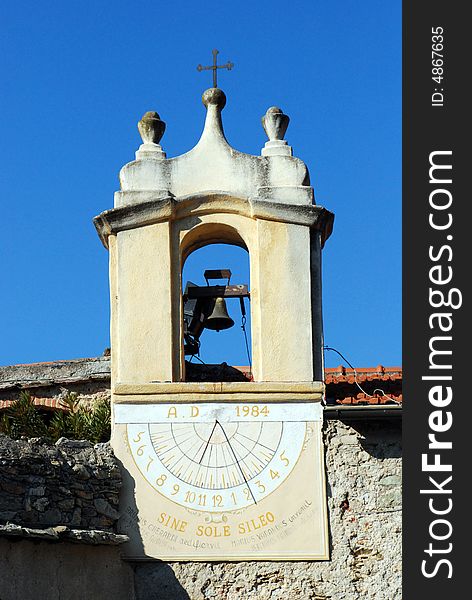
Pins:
x: 70, y: 483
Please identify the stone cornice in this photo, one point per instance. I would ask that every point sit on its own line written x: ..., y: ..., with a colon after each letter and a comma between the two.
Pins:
x: 152, y: 209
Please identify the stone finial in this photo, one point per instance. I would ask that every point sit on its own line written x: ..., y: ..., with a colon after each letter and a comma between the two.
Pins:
x: 151, y: 130
x: 214, y: 100
x: 275, y: 124
x: 214, y: 97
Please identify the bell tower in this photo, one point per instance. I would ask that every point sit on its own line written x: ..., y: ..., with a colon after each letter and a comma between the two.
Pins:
x: 210, y: 466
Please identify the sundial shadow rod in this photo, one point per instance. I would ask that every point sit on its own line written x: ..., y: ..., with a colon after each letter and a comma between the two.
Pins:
x: 229, y: 65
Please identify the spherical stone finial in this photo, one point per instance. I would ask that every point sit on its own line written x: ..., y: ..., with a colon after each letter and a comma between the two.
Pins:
x: 151, y: 128
x: 275, y: 123
x: 214, y: 97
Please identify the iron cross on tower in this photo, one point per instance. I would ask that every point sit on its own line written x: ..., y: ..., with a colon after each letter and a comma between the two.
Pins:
x: 214, y: 67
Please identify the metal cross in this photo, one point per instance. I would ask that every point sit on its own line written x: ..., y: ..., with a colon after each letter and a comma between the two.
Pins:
x: 214, y: 67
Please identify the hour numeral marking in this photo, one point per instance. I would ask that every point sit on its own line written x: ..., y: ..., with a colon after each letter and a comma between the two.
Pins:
x: 161, y: 480
x: 140, y: 450
x: 261, y: 487
x: 274, y: 474
x: 190, y: 497
x: 202, y: 499
x: 151, y: 460
x: 138, y: 437
x: 217, y: 500
x: 284, y: 459
x: 176, y: 489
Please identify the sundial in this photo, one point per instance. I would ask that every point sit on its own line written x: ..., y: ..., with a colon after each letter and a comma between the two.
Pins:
x: 229, y: 478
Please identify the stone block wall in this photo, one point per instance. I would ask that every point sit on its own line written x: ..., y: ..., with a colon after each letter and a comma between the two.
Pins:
x: 70, y: 483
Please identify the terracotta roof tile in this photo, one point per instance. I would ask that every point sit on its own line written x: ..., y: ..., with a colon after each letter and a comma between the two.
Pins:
x: 380, y: 385
x: 52, y: 403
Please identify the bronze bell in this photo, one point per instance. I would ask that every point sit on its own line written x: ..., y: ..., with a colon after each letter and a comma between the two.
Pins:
x: 219, y: 317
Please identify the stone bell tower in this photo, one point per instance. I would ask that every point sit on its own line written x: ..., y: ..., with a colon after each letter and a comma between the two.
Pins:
x: 210, y: 466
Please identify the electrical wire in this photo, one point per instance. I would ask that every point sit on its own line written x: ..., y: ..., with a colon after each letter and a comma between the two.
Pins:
x: 355, y: 378
x: 243, y: 327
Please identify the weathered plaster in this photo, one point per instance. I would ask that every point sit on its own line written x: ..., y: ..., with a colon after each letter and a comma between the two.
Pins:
x: 62, y: 571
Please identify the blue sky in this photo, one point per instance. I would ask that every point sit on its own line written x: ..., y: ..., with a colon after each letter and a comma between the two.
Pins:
x: 77, y: 76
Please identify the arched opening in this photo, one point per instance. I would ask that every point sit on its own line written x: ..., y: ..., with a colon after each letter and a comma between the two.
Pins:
x: 225, y: 354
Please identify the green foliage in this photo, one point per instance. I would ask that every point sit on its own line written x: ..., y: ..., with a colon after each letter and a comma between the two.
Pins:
x: 100, y: 422
x: 75, y: 422
x: 23, y: 418
x: 5, y: 425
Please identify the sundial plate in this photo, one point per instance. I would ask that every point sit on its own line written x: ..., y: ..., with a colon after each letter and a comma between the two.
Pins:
x: 222, y: 481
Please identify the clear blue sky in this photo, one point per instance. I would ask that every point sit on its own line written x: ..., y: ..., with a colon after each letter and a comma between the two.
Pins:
x: 77, y: 76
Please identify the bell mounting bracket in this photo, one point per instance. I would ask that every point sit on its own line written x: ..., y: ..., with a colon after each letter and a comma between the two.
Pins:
x: 217, y: 291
